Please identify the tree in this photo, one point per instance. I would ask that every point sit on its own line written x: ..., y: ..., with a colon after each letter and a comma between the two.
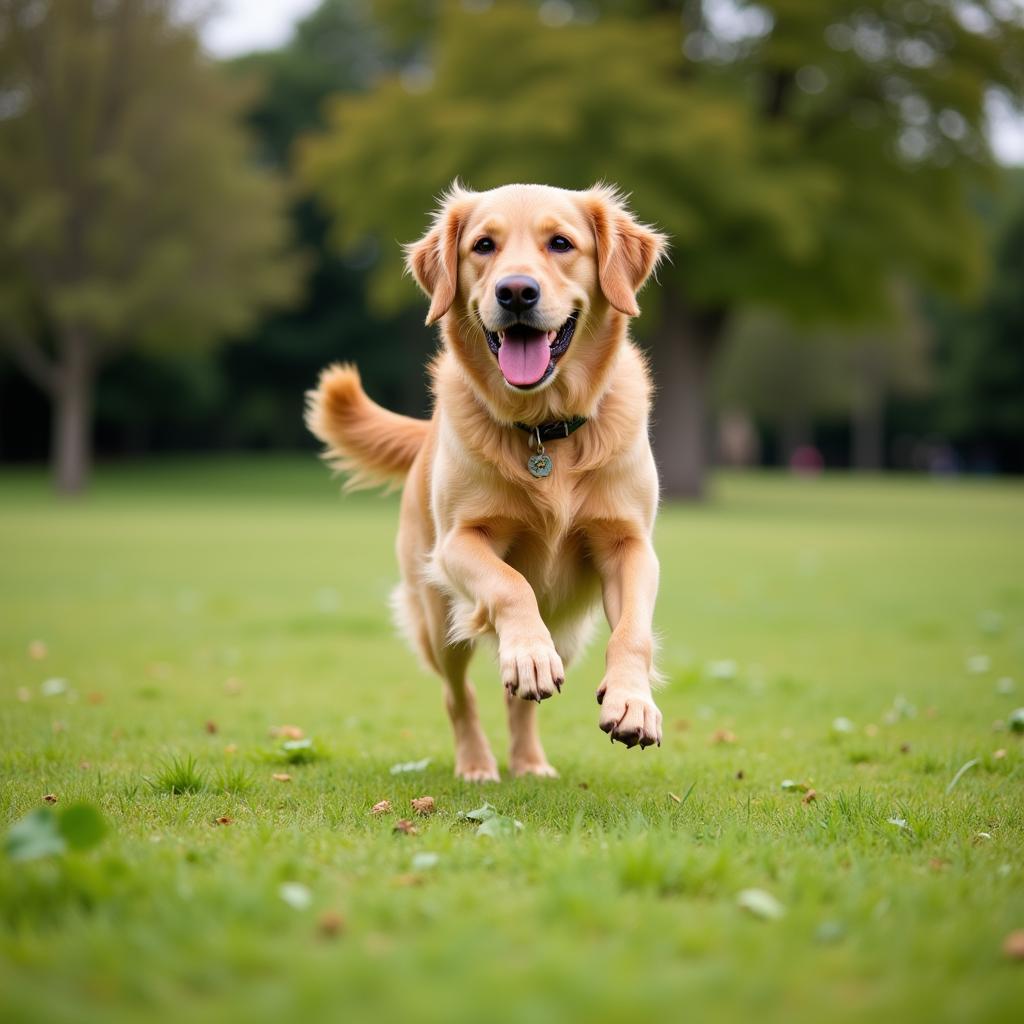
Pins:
x: 801, y: 155
x: 134, y: 216
x: 980, y: 400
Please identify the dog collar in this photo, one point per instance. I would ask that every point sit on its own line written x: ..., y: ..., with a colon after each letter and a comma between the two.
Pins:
x: 539, y: 463
x: 554, y: 430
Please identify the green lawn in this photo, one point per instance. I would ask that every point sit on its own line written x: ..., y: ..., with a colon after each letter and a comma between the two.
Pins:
x: 785, y: 605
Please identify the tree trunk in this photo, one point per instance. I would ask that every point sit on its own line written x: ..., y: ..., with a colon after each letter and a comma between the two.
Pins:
x: 71, y: 438
x: 683, y: 356
x: 867, y: 423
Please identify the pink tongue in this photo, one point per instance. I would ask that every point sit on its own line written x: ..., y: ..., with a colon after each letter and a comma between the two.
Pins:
x: 523, y: 358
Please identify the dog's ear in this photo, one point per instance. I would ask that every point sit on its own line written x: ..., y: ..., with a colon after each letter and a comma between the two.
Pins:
x: 627, y: 251
x: 434, y: 259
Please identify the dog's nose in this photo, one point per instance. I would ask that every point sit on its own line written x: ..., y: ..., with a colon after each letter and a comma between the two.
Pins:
x: 517, y: 292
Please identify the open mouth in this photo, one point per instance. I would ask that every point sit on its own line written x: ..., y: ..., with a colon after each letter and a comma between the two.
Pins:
x: 527, y: 355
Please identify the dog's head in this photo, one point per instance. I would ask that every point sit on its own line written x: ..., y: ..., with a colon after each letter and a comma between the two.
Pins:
x: 526, y: 274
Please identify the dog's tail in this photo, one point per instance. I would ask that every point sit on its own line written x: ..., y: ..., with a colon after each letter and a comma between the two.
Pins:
x: 372, y: 445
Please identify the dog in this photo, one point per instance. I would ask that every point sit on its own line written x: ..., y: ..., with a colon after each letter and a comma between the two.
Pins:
x: 530, y: 496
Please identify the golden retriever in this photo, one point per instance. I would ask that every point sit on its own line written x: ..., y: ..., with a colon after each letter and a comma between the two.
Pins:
x: 530, y: 495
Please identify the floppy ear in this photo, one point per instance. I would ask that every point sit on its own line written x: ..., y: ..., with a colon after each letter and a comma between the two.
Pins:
x: 434, y: 259
x: 627, y: 251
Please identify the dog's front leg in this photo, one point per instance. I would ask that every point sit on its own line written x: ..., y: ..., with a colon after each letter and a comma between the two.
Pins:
x: 530, y: 665
x: 629, y: 580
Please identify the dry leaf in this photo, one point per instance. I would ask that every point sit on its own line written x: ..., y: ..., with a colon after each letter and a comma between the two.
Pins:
x: 37, y: 650
x: 224, y: 820
x: 84, y: 765
x: 287, y: 732
x: 740, y: 774
x: 723, y: 736
x: 406, y: 881
x: 381, y: 807
x: 50, y: 798
x: 678, y: 799
x: 331, y: 924
x: 1013, y: 945
x: 281, y: 777
x: 999, y: 754
x: 406, y: 827
x: 211, y: 727
x: 95, y: 697
x: 809, y: 797
x: 231, y: 748
x: 423, y: 805
x: 904, y: 748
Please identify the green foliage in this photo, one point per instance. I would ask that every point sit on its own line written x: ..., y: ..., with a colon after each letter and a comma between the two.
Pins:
x: 45, y: 832
x: 179, y: 776
x: 799, y: 165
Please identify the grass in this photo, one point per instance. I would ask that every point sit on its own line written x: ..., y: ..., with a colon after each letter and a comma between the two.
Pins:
x: 193, y: 607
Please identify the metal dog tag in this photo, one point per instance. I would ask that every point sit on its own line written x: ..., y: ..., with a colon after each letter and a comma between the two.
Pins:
x: 539, y: 464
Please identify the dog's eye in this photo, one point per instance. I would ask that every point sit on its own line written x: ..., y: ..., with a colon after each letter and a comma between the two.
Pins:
x: 483, y: 245
x: 559, y: 243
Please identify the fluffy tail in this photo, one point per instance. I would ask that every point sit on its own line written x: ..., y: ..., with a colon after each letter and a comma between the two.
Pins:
x: 371, y: 444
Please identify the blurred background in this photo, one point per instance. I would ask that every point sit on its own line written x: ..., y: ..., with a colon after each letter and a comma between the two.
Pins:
x: 202, y: 205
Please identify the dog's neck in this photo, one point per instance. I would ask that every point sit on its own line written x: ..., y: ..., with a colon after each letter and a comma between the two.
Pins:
x: 613, y: 396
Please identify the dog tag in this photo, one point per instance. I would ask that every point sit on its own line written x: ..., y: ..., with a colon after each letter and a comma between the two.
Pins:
x: 539, y: 464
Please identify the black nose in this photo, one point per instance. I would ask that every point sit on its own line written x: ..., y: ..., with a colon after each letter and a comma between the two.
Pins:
x: 517, y: 292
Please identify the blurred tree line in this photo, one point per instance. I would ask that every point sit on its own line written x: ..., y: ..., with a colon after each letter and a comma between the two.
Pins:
x: 846, y: 259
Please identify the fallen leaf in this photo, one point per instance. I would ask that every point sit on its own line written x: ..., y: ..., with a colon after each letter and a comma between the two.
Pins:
x: 211, y: 727
x: 904, y: 748
x: 406, y: 827
x: 296, y: 895
x: 809, y: 797
x: 678, y: 799
x: 330, y: 924
x: 225, y: 820
x: 231, y: 748
x: 740, y: 774
x: 84, y: 765
x: 723, y: 736
x: 281, y: 777
x: 381, y: 807
x: 53, y: 687
x: 287, y: 732
x: 50, y: 798
x: 408, y: 880
x: 423, y: 805
x: 95, y: 697
x: 792, y: 786
x: 999, y: 754
x: 410, y: 766
x: 37, y: 650
x: 761, y: 904
x: 1013, y: 944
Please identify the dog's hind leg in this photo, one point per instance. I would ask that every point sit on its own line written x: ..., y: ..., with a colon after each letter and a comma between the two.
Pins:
x: 473, y: 758
x: 525, y: 754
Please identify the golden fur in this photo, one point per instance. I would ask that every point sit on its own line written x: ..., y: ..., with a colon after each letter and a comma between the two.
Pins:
x: 484, y: 547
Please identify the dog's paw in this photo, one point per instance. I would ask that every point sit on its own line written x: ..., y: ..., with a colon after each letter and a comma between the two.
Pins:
x: 629, y: 716
x: 530, y: 667
x: 476, y: 770
x: 539, y: 768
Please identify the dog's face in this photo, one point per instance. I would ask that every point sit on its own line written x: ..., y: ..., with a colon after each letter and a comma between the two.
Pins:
x: 524, y: 268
